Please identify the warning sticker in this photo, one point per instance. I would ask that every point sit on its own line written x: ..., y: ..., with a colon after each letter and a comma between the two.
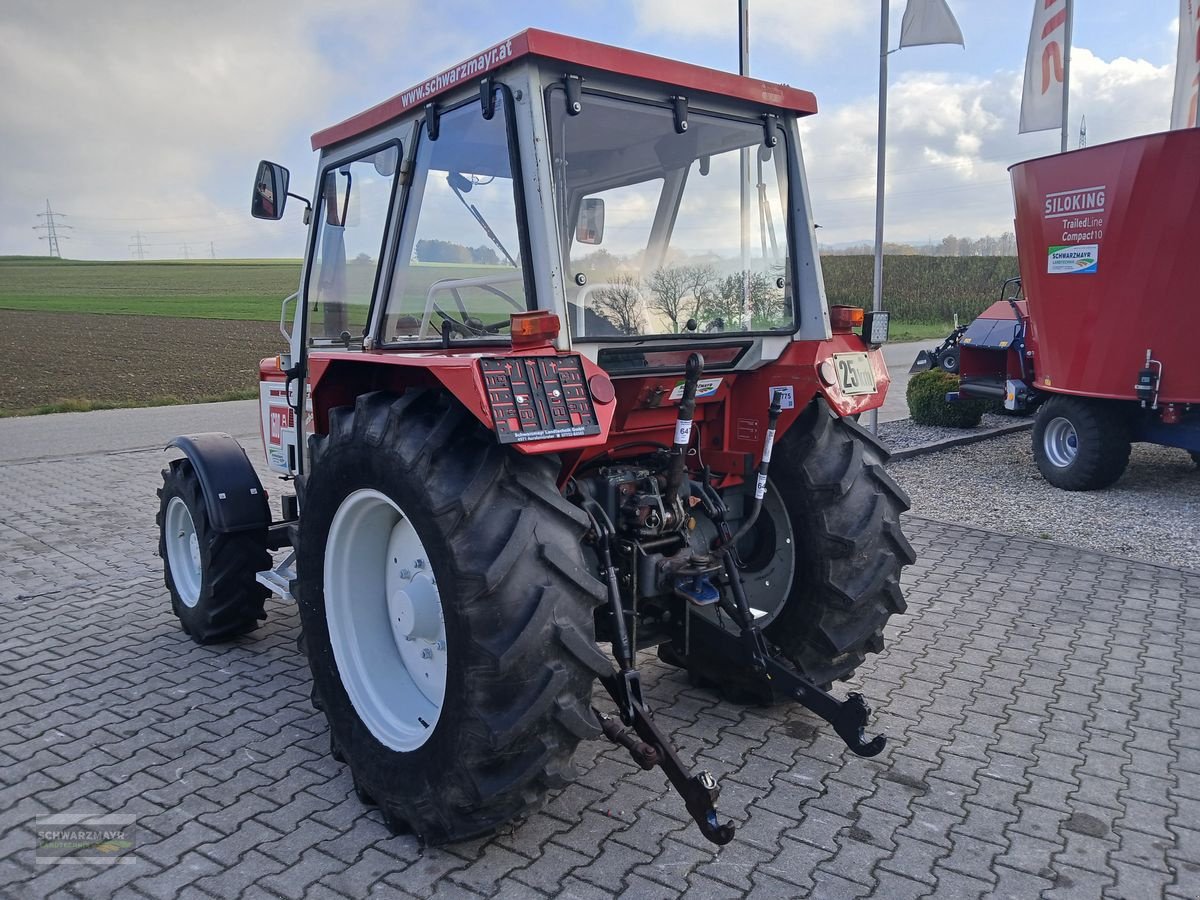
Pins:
x: 1073, y: 259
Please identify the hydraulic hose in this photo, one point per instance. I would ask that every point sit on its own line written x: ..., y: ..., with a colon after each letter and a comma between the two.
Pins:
x: 760, y: 483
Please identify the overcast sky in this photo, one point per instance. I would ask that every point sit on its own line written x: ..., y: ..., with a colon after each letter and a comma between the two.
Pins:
x: 138, y: 116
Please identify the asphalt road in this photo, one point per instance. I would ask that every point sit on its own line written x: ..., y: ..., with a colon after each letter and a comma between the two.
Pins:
x: 120, y: 430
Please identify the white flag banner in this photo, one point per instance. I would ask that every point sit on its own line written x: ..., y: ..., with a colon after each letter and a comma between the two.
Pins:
x: 929, y: 22
x: 1187, y: 66
x: 1041, y: 100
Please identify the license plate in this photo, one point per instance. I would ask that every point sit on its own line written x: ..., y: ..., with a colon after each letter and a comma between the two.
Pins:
x: 854, y: 373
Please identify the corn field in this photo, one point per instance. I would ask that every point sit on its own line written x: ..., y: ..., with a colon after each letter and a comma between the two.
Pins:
x: 920, y: 288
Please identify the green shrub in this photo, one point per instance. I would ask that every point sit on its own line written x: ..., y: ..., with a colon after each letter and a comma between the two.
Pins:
x: 927, y: 404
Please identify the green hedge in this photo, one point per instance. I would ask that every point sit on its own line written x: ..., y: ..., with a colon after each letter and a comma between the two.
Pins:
x: 920, y: 288
x: 927, y: 404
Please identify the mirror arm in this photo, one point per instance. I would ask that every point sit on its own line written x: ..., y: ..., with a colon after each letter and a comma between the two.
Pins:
x: 307, y: 206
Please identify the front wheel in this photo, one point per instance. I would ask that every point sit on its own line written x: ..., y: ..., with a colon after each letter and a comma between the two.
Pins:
x: 948, y: 361
x: 447, y: 615
x: 210, y: 574
x: 1080, y: 444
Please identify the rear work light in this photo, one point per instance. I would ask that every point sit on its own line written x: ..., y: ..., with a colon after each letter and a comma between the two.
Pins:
x: 875, y: 327
x: 533, y: 329
x: 845, y: 318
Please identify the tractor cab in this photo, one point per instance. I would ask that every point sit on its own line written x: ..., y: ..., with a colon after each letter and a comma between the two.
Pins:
x: 621, y: 207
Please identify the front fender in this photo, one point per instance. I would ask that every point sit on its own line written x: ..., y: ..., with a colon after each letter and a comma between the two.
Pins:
x: 233, y: 495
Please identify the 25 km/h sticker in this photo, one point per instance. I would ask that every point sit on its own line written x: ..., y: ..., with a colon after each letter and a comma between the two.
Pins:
x: 854, y: 373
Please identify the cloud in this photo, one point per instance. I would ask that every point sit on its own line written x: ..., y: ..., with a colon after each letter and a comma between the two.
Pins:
x: 803, y: 26
x: 950, y: 141
x: 151, y: 115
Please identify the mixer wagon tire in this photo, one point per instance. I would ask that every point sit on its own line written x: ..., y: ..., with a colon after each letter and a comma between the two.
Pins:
x: 209, y: 574
x: 1080, y: 444
x: 447, y: 615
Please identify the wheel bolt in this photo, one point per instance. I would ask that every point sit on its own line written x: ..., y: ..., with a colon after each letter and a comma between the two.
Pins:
x: 441, y: 646
x: 426, y: 653
x: 418, y: 563
x: 405, y: 573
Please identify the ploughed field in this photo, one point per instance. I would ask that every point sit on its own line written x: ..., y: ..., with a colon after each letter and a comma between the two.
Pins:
x: 49, y: 357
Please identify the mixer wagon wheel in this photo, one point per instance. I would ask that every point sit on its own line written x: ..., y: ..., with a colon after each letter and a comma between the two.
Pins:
x: 447, y: 615
x: 1080, y: 444
x: 209, y: 574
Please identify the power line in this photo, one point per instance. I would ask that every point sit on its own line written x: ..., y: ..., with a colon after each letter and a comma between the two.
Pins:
x: 138, y: 246
x: 51, y: 227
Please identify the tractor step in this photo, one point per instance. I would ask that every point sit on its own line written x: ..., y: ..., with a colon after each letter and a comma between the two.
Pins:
x: 279, y: 579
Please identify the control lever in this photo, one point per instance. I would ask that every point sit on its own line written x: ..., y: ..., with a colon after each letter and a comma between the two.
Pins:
x: 677, y: 467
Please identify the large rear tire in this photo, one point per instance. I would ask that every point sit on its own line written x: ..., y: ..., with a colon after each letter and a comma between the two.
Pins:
x: 502, y: 547
x: 844, y: 511
x: 210, y: 575
x: 1080, y: 444
x: 823, y: 560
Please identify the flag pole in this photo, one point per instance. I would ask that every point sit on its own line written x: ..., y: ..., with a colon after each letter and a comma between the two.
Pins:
x: 1066, y: 91
x: 744, y: 163
x: 880, y: 162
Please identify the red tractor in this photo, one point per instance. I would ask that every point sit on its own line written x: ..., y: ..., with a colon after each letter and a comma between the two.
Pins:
x: 1096, y: 333
x: 561, y: 308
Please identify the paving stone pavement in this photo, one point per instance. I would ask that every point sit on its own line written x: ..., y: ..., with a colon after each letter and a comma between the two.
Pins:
x: 1042, y: 704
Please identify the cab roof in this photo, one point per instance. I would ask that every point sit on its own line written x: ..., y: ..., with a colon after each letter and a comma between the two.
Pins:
x: 577, y: 52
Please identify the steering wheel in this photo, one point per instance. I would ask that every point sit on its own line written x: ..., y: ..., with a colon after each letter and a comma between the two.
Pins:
x: 468, y: 325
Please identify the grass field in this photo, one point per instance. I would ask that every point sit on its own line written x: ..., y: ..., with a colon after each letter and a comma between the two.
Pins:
x: 78, y: 334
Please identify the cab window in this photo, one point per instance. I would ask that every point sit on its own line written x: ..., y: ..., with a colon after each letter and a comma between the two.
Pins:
x: 352, y: 218
x: 459, y: 265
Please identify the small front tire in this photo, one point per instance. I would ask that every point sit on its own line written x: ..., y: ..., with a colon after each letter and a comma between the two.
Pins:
x: 210, y: 574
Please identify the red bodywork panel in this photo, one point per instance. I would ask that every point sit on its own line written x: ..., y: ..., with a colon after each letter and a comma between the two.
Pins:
x: 1133, y: 206
x: 577, y: 53
x: 731, y: 420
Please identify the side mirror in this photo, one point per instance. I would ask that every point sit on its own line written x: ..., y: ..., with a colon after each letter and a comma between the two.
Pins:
x: 590, y: 227
x: 270, y: 191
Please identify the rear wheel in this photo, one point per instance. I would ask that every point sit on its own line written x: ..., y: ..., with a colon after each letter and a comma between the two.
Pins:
x: 822, y: 563
x: 1080, y: 444
x: 447, y: 615
x: 210, y: 575
x: 844, y: 510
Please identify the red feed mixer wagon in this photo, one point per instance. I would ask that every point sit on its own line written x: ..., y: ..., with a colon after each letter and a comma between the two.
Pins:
x: 1100, y: 335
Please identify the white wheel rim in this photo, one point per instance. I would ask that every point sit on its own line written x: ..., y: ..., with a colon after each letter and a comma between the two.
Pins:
x: 385, y: 620
x: 183, y: 551
x: 1060, y: 442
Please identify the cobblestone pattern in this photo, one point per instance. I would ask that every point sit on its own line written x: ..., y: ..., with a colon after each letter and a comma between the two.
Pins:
x: 1043, y: 707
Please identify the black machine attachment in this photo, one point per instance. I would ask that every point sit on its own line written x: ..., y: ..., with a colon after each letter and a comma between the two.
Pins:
x: 660, y: 569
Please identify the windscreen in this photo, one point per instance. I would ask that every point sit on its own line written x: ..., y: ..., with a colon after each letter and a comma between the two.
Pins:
x: 667, y: 232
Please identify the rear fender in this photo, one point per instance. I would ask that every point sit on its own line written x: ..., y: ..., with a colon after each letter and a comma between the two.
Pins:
x: 338, y: 378
x: 233, y: 495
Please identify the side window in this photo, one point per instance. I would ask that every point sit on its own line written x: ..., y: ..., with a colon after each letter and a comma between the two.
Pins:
x: 352, y: 213
x: 459, y: 260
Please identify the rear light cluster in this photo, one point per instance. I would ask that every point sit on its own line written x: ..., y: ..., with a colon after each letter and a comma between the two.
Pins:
x: 533, y: 329
x: 874, y: 325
